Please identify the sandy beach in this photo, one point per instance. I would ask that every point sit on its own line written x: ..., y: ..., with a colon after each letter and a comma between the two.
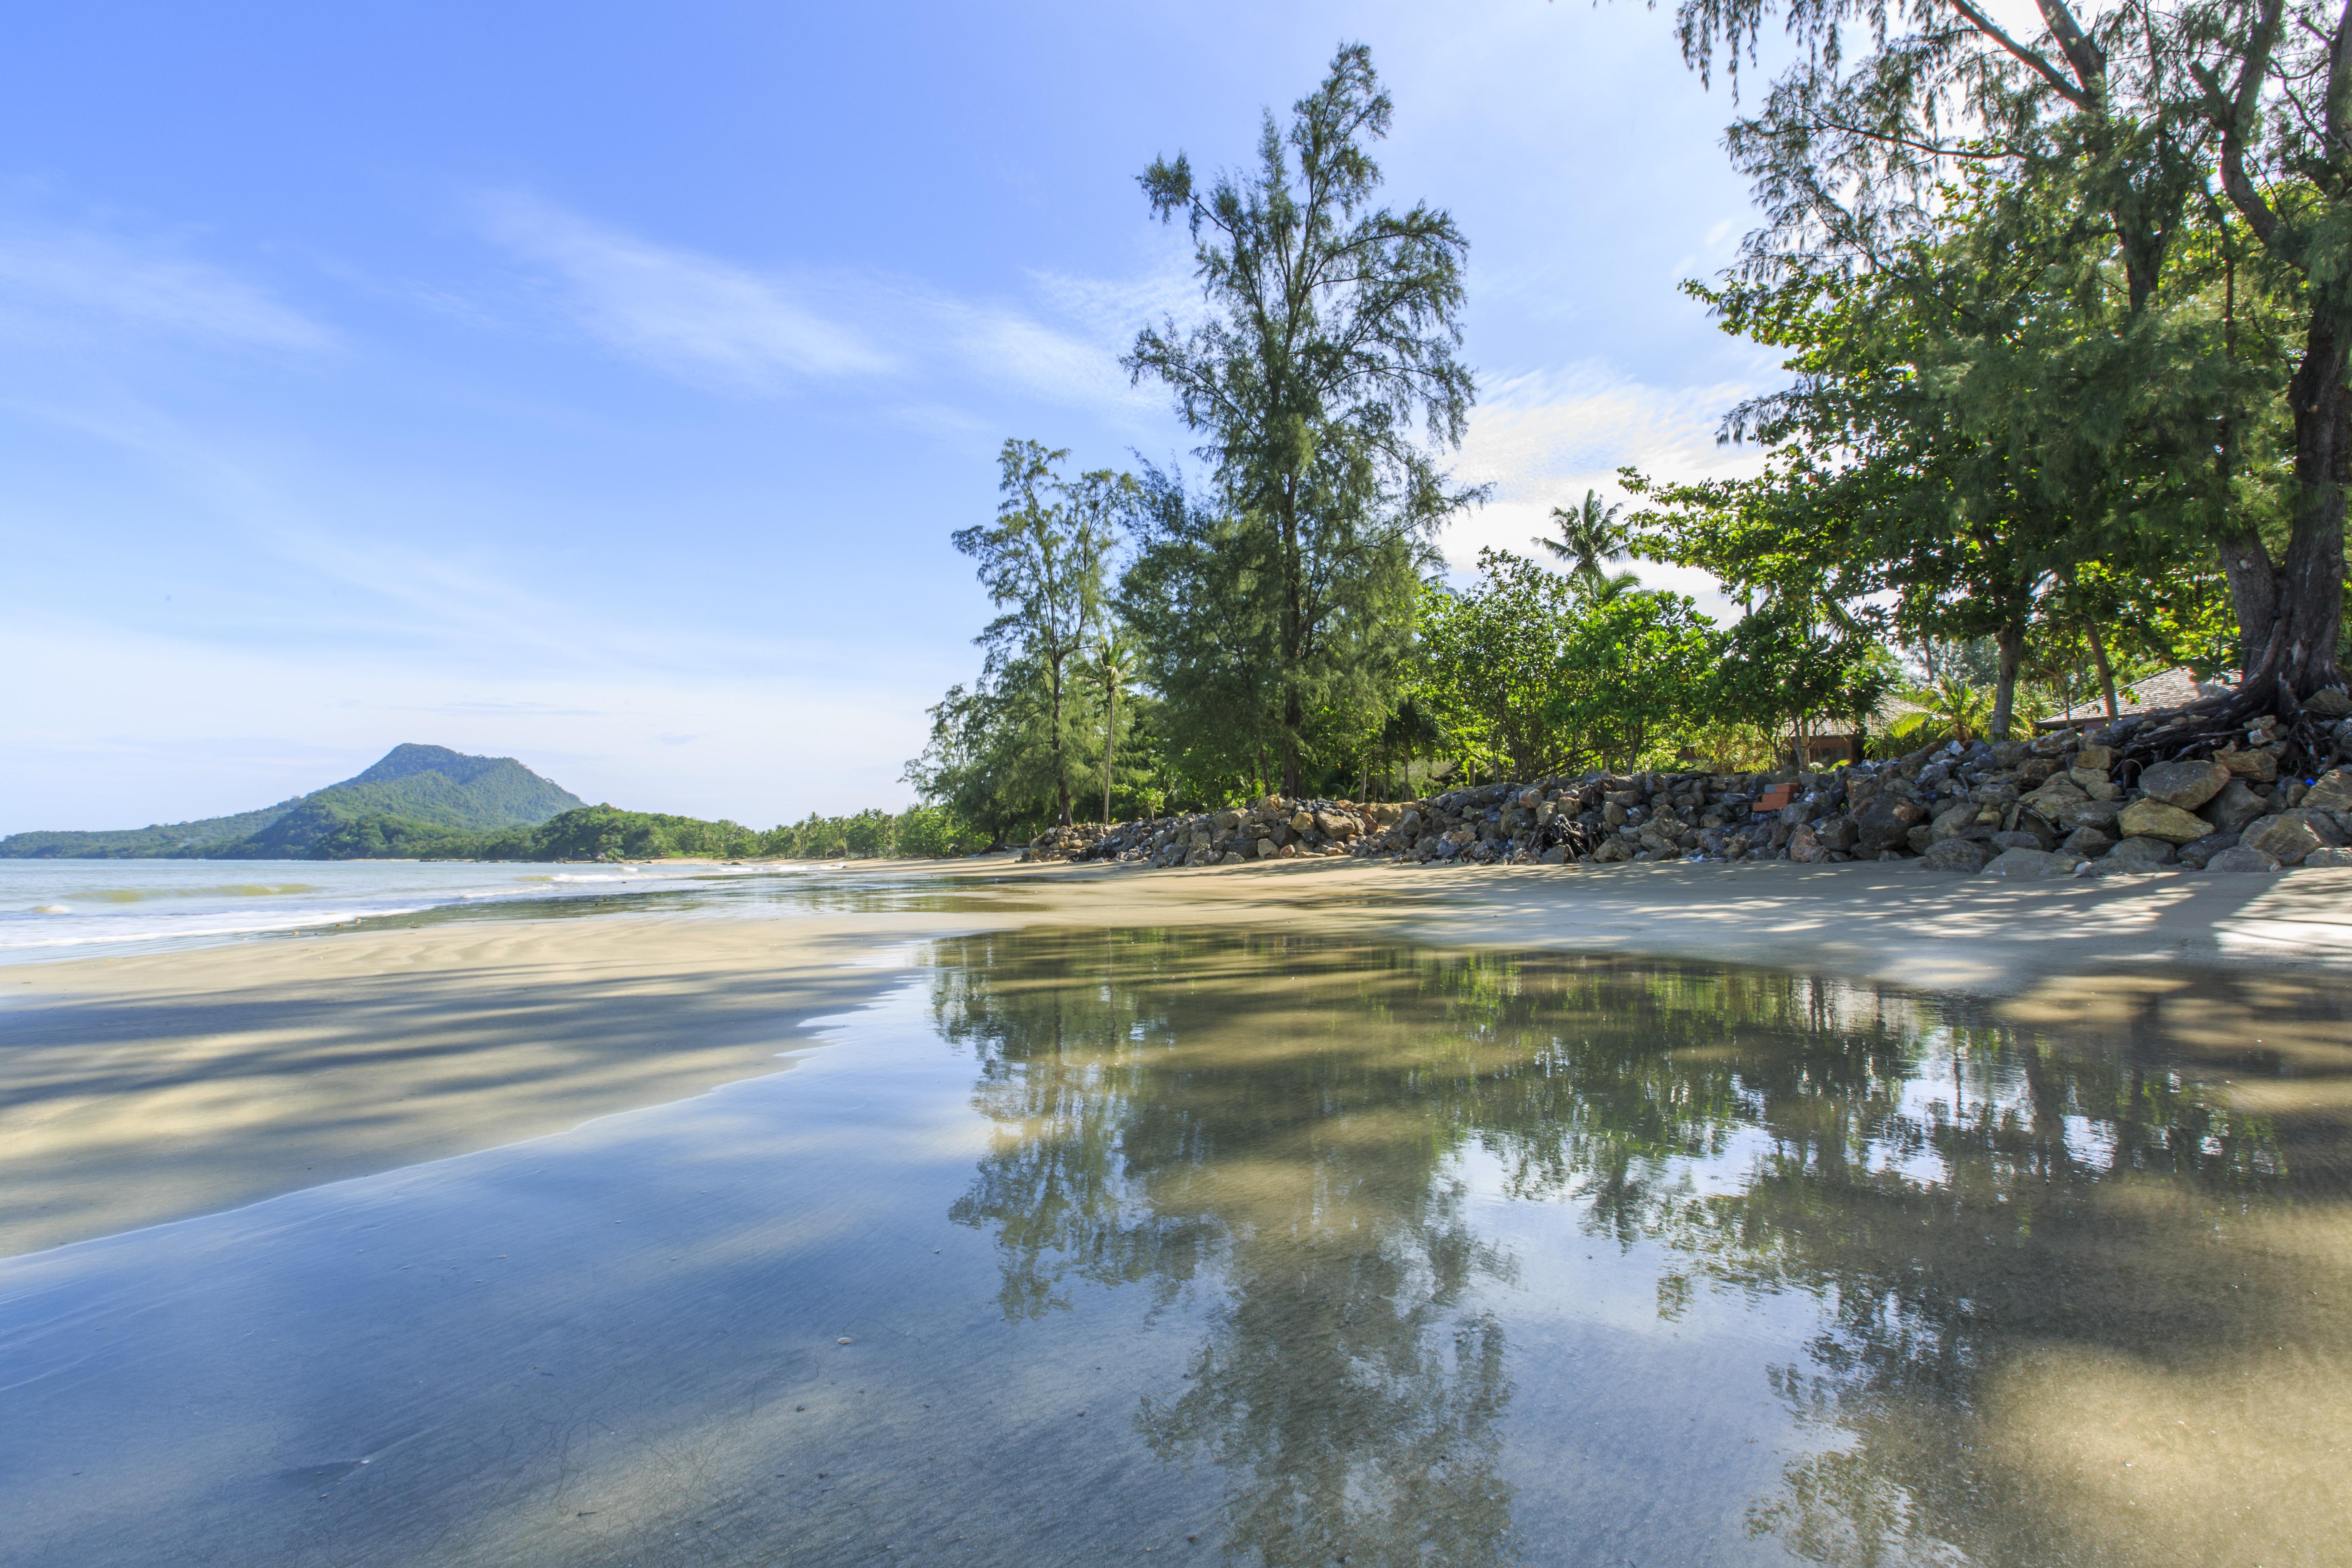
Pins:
x: 141, y: 1089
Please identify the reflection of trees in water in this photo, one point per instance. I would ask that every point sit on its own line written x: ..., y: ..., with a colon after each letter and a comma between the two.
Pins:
x: 1287, y: 1114
x: 1163, y: 1102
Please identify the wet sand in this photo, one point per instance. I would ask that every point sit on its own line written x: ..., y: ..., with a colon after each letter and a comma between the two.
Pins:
x: 136, y: 1090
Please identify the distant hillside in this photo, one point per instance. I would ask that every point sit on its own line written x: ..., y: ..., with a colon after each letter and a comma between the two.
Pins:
x: 449, y: 789
x: 162, y: 842
x: 412, y: 791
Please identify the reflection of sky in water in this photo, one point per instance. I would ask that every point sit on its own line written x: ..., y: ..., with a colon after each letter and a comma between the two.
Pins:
x: 1253, y: 1250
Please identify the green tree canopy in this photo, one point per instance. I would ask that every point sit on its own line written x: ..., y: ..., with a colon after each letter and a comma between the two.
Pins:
x: 1321, y: 379
x: 1044, y: 561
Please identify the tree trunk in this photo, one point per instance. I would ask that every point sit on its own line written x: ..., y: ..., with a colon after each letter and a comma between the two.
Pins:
x: 1110, y: 742
x: 2010, y: 642
x: 2106, y: 672
x: 1061, y: 773
x: 2300, y: 658
x: 1294, y: 648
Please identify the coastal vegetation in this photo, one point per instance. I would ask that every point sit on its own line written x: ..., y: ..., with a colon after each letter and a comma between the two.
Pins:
x: 2066, y: 409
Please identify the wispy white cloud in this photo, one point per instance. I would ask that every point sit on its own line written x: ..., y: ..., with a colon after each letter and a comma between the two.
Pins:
x: 691, y: 315
x: 712, y: 321
x: 58, y: 283
x: 1543, y: 440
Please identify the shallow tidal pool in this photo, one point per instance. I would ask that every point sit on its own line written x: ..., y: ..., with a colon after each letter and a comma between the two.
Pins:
x: 1204, y: 1247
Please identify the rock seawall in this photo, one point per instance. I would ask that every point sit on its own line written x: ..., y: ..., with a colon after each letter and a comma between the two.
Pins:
x: 2061, y: 805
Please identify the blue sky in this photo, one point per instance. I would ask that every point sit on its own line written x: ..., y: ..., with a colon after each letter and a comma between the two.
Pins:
x: 599, y: 384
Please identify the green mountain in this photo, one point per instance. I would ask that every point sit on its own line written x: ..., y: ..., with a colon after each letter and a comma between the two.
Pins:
x: 412, y: 793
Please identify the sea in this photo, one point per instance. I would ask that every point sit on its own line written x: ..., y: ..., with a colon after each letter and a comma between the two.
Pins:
x: 66, y: 909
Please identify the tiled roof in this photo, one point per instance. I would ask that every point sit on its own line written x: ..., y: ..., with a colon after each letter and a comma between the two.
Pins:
x: 2158, y: 693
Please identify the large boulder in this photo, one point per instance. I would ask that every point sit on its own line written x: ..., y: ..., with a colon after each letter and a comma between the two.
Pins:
x: 2188, y: 784
x: 2242, y: 858
x: 1966, y: 855
x: 2031, y: 865
x: 2328, y: 703
x: 2087, y: 843
x: 2231, y: 810
x: 2057, y: 796
x: 2195, y: 854
x: 2135, y: 856
x: 2162, y: 819
x: 2093, y: 782
x: 2259, y: 766
x: 2098, y: 814
x: 2328, y: 857
x: 1955, y: 819
x: 2286, y: 839
x: 2332, y: 791
x: 1886, y: 824
x: 2326, y: 825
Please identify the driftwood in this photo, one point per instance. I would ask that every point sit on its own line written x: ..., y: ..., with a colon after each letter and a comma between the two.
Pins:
x: 2199, y: 729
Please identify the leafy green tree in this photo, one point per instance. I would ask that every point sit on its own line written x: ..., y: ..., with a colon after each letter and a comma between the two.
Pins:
x: 989, y: 761
x: 2113, y: 132
x: 1333, y: 330
x: 1044, y: 562
x: 1543, y: 673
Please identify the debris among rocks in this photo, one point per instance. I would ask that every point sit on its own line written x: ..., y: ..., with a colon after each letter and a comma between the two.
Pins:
x: 2056, y: 806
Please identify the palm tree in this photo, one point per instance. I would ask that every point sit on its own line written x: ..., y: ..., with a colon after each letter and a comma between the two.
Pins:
x: 1112, y: 667
x: 1589, y: 535
x: 1946, y: 709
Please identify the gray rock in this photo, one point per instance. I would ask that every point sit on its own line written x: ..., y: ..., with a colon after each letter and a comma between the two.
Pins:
x: 2020, y: 841
x: 1886, y: 823
x: 2233, y: 808
x: 2329, y: 858
x: 2034, y: 865
x: 2196, y: 855
x: 1954, y: 819
x: 2134, y: 855
x: 2154, y: 818
x: 1920, y: 839
x: 2098, y: 814
x: 2330, y: 702
x: 2087, y: 842
x: 1967, y: 855
x: 2242, y: 858
x: 2259, y: 766
x: 2331, y: 791
x: 2187, y: 784
x: 2286, y: 839
x: 2323, y: 826
x: 1839, y: 833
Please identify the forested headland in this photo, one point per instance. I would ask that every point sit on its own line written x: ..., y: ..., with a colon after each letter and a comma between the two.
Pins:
x: 2065, y: 324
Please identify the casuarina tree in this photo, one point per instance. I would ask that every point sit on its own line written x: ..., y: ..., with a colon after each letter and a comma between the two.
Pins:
x: 1043, y: 563
x: 1324, y: 383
